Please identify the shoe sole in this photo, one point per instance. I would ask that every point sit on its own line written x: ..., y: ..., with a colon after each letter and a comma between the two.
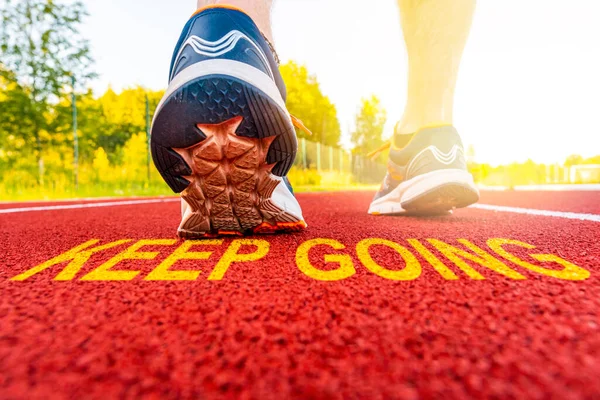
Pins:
x: 225, y: 145
x: 433, y: 193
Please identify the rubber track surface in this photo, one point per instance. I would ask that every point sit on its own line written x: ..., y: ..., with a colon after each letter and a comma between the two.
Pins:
x: 581, y: 202
x: 267, y: 331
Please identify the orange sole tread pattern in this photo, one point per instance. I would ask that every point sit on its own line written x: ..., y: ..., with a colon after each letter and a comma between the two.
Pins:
x: 231, y: 186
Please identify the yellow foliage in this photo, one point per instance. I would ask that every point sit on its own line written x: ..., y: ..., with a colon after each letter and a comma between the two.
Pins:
x: 129, y: 106
x: 135, y: 157
x: 100, y: 160
x: 303, y: 178
x: 101, y: 165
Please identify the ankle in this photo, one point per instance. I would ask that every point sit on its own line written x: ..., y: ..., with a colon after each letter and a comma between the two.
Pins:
x: 408, y: 127
x: 404, y: 127
x: 258, y: 10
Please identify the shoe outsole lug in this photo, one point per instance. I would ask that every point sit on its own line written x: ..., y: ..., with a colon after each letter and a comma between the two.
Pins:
x: 222, y: 144
x: 211, y: 100
x: 235, y: 197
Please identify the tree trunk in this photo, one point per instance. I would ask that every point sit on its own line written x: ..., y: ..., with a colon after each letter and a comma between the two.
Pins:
x: 38, y: 155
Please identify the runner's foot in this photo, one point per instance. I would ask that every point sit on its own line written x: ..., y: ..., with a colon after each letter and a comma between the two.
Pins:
x: 427, y: 173
x: 222, y: 136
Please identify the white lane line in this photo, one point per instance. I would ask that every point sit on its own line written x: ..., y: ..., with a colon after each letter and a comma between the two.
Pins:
x: 543, y: 213
x: 572, y: 187
x: 88, y: 205
x: 487, y: 207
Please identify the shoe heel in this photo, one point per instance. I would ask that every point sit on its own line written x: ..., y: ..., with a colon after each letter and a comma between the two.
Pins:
x: 213, y: 100
x: 232, y: 186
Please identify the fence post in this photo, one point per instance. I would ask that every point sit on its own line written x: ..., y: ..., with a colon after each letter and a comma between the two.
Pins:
x: 304, y: 162
x: 341, y: 152
x: 319, y: 156
x: 147, y: 138
x: 75, y: 137
x: 330, y: 158
x: 351, y: 161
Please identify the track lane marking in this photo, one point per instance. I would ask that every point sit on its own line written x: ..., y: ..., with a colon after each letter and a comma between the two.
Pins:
x: 542, y: 213
x: 498, y: 260
x: 486, y: 207
x: 87, y: 205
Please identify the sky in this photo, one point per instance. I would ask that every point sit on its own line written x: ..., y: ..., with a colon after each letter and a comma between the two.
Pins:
x: 529, y: 86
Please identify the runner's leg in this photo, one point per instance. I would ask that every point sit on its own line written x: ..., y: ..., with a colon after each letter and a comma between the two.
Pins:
x: 221, y: 135
x: 427, y: 169
x: 435, y: 32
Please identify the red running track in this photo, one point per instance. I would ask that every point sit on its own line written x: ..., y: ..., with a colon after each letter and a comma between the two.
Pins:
x: 269, y: 331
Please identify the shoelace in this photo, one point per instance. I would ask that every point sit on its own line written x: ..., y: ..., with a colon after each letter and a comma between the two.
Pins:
x: 374, y: 154
x: 298, y: 124
x: 275, y: 55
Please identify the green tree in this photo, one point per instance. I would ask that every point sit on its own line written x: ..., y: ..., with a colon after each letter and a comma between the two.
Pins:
x: 370, y: 121
x: 14, y: 100
x: 306, y: 101
x: 108, y: 121
x: 42, y: 46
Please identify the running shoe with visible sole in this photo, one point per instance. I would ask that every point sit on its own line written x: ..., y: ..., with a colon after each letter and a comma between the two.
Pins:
x: 221, y: 135
x: 427, y: 174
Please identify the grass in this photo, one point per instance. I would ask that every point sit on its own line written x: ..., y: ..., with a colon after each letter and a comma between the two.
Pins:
x: 336, y: 188
x: 153, y: 190
x: 115, y: 182
x: 91, y: 191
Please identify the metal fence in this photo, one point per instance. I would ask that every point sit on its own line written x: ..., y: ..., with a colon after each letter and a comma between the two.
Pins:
x: 322, y: 158
x: 535, y: 174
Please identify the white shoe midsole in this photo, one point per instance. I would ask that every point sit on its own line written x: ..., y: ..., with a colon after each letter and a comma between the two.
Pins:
x: 419, y: 185
x: 281, y: 197
x: 284, y: 199
x: 235, y: 69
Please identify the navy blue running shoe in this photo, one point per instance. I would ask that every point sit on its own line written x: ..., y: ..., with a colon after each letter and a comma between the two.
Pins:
x: 426, y: 175
x: 222, y: 136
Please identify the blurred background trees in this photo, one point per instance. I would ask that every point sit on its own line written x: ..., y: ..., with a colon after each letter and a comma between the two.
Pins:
x: 370, y: 120
x: 306, y: 101
x: 42, y: 52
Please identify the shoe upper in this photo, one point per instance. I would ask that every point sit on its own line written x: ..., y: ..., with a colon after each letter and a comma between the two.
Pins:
x: 223, y: 33
x: 430, y: 149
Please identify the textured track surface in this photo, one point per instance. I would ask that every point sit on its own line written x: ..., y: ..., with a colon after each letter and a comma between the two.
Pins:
x: 268, y: 331
x: 583, y: 202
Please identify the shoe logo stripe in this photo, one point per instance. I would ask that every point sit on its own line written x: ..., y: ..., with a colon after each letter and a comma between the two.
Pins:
x: 444, y: 158
x: 220, y: 47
